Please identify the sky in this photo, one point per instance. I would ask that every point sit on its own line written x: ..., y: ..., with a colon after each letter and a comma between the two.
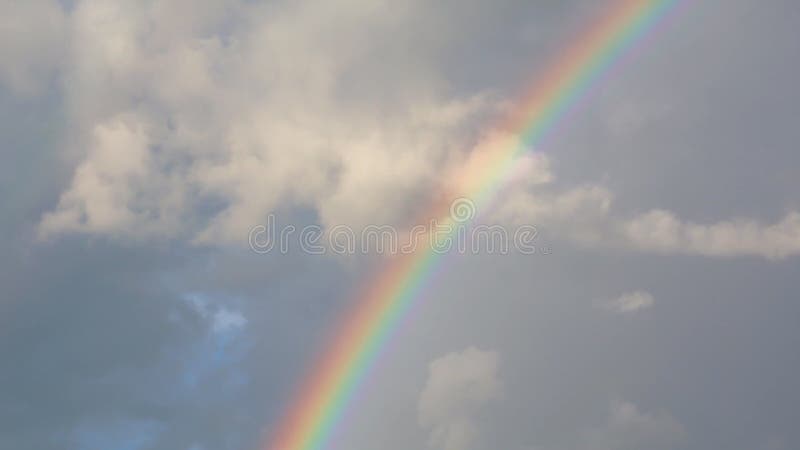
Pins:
x: 142, y: 142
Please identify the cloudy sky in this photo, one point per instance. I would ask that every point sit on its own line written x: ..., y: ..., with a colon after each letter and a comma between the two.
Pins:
x: 142, y: 141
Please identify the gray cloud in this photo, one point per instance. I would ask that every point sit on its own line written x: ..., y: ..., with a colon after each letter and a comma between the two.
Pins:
x: 134, y: 131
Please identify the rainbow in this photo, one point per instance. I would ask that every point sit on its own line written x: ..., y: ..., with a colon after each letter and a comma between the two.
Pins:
x: 331, y: 386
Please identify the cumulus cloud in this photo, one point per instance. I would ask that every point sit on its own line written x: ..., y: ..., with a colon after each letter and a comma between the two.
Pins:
x: 113, y: 187
x: 189, y: 120
x: 583, y: 215
x: 662, y: 231
x: 188, y: 127
x: 629, y: 302
x: 185, y: 127
x: 579, y: 213
x: 628, y: 428
x: 220, y: 318
x: 459, y: 386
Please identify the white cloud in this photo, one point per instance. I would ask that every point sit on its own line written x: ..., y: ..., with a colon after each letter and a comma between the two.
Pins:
x: 583, y: 215
x: 187, y: 127
x: 459, y: 386
x: 113, y: 187
x: 249, y: 118
x: 220, y: 318
x: 629, y: 302
x: 662, y: 231
x: 627, y: 428
x: 579, y: 213
x: 225, y: 320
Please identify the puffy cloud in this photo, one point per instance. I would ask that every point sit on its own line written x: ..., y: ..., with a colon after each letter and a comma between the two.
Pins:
x: 187, y: 127
x: 583, y: 215
x: 221, y: 318
x: 627, y: 428
x: 629, y: 302
x: 113, y: 187
x: 195, y: 127
x: 579, y: 213
x: 189, y: 119
x: 459, y: 386
x: 662, y: 231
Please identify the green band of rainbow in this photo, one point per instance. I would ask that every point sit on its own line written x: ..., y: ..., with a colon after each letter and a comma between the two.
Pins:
x: 324, y: 396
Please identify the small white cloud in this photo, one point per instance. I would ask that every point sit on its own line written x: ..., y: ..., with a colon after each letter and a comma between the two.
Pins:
x: 459, y: 385
x: 629, y: 302
x: 628, y: 428
x: 226, y: 320
x: 198, y: 303
x: 221, y: 318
